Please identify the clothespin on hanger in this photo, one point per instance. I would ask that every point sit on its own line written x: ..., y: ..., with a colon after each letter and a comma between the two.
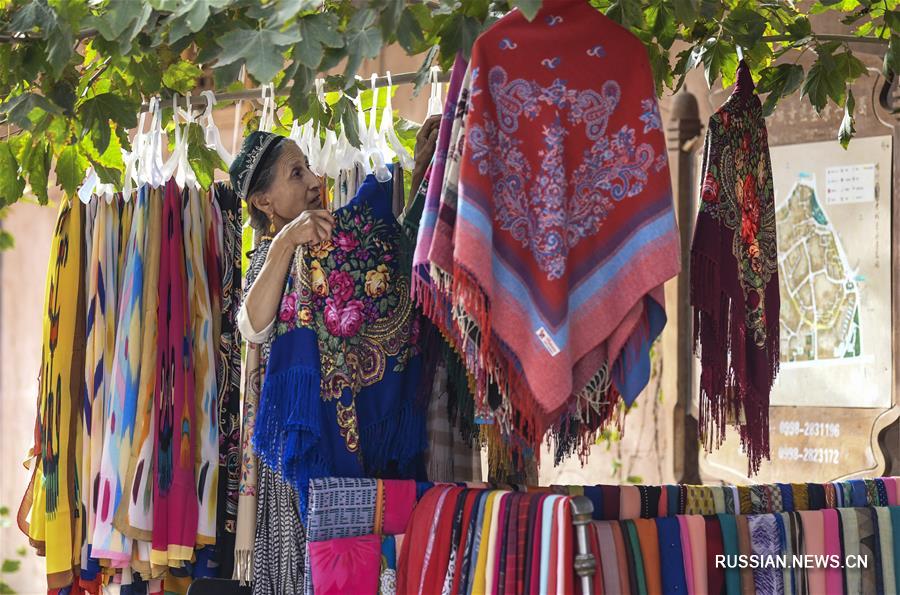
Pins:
x: 434, y: 102
x: 740, y: 53
x: 211, y: 131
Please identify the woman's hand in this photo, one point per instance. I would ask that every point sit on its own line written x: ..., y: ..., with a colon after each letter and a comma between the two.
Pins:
x: 311, y: 227
x: 426, y: 143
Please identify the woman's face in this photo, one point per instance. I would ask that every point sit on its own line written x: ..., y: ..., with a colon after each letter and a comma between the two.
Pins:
x: 295, y: 188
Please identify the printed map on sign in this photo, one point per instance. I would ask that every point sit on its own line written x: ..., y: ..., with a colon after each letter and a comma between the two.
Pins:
x: 833, y: 217
x: 820, y: 296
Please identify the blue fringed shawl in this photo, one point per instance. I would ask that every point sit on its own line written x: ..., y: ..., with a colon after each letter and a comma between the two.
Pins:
x: 342, y: 376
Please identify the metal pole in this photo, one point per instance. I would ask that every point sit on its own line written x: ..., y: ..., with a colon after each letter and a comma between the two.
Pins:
x: 585, y: 564
x: 684, y: 137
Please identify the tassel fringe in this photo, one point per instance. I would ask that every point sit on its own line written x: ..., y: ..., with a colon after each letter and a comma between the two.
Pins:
x: 730, y: 394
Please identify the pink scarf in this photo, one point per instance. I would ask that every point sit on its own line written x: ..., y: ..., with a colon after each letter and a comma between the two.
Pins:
x: 175, y: 504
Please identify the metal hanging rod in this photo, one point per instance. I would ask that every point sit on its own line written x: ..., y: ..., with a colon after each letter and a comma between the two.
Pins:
x: 403, y: 78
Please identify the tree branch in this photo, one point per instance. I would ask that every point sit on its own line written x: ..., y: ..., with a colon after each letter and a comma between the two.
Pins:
x: 827, y: 37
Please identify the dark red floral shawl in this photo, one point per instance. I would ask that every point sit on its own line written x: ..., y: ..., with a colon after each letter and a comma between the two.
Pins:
x: 734, y: 276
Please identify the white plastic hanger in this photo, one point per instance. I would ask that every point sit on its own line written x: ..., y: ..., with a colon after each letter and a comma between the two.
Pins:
x: 150, y: 163
x: 177, y: 164
x: 184, y: 174
x: 267, y: 117
x: 435, y: 107
x: 374, y: 148
x: 211, y: 131
x: 361, y: 155
x: 132, y: 167
x: 390, y: 135
x: 313, y: 138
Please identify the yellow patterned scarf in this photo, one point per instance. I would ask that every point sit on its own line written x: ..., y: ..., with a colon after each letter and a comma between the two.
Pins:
x: 50, y: 499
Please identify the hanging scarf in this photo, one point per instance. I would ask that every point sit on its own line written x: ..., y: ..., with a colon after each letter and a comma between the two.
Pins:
x: 343, y: 371
x: 122, y: 398
x: 565, y: 230
x: 228, y: 369
x: 101, y: 332
x: 134, y: 515
x: 175, y: 498
x: 206, y: 425
x: 734, y: 276
x: 51, y: 499
x: 278, y: 548
x: 253, y: 373
x: 422, y: 283
x: 440, y: 250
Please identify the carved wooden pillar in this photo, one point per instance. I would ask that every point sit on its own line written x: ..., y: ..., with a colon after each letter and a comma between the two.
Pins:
x: 684, y: 138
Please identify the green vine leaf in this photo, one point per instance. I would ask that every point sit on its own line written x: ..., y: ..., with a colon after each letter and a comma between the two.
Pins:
x: 529, y: 8
x: 779, y: 81
x: 70, y: 168
x: 822, y: 81
x: 261, y: 50
x: 11, y: 184
x: 316, y: 32
x: 37, y: 14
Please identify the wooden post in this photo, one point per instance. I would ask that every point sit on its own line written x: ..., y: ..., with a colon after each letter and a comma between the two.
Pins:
x: 684, y: 138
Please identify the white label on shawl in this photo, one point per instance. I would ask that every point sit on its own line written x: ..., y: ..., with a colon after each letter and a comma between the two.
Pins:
x: 547, y: 340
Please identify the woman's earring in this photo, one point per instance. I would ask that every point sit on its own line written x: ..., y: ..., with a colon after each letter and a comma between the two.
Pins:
x: 271, y: 227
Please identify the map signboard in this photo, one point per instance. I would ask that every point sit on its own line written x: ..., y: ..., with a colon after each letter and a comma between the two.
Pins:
x: 834, y: 273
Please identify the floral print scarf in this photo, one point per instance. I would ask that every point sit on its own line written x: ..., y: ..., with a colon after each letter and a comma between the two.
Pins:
x: 734, y: 276
x: 344, y: 368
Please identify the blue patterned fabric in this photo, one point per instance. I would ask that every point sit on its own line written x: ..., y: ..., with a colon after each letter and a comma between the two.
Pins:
x: 765, y: 541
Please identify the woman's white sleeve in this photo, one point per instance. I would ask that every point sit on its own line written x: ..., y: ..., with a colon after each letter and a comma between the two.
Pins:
x: 247, y: 330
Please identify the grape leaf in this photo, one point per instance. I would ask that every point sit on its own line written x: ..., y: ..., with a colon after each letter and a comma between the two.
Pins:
x: 529, y: 8
x: 261, y: 50
x: 11, y: 184
x: 70, y: 168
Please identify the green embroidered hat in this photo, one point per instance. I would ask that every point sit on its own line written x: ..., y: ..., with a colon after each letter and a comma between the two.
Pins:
x: 254, y: 151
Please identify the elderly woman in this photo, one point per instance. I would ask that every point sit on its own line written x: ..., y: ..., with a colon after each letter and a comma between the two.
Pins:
x: 332, y: 331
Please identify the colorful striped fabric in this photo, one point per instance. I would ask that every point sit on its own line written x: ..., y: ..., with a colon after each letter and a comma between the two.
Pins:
x: 422, y: 283
x: 175, y: 503
x: 121, y: 400
x: 204, y: 358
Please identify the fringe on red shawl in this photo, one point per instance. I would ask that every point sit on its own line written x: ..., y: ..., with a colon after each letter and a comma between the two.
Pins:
x: 728, y: 393
x: 570, y: 434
